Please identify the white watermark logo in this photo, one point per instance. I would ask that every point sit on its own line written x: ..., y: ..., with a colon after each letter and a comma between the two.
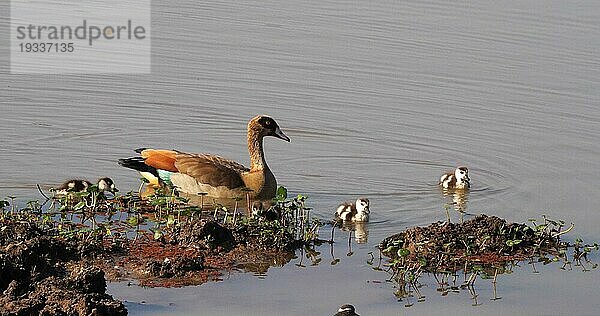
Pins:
x: 83, y: 32
x: 84, y: 36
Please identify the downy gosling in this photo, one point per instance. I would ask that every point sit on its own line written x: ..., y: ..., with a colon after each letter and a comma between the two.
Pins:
x: 78, y: 185
x: 354, y: 212
x: 457, y: 180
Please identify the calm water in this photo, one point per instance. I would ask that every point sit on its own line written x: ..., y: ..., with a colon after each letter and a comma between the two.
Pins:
x: 379, y: 100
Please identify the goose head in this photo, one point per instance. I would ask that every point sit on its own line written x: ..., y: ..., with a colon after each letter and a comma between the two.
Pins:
x: 263, y: 125
x: 107, y: 184
x: 462, y: 174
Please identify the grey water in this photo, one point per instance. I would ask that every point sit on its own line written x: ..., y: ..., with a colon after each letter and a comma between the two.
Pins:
x: 379, y: 98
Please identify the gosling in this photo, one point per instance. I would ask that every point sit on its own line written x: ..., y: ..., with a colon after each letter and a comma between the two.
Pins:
x: 346, y: 310
x: 457, y: 180
x: 78, y: 185
x: 354, y: 212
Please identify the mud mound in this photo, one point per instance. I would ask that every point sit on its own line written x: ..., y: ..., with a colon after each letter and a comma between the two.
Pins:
x: 483, y: 239
x: 202, y: 234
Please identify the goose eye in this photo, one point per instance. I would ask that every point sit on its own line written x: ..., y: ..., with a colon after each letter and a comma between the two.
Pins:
x: 266, y: 122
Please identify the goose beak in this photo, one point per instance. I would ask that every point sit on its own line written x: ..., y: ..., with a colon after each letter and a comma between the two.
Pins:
x: 279, y: 134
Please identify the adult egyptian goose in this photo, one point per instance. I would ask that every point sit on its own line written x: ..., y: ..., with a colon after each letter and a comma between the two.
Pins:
x: 346, y: 310
x: 78, y: 185
x: 215, y: 175
x: 457, y: 180
x: 355, y: 212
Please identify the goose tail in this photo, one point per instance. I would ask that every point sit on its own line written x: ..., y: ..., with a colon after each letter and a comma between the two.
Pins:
x: 137, y: 163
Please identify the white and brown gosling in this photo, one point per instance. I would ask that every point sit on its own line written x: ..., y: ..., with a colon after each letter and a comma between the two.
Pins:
x: 354, y: 212
x: 346, y: 310
x: 211, y: 174
x: 457, y: 180
x: 79, y: 185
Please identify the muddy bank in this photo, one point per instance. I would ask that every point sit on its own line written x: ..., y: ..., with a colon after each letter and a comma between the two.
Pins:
x: 57, y: 261
x: 43, y: 274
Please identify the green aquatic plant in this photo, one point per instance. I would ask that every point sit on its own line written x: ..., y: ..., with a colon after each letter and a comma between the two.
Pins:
x: 164, y: 212
x: 281, y: 195
x: 285, y: 225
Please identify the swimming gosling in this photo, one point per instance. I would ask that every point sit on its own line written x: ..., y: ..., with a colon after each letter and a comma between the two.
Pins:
x: 354, y: 212
x: 457, y: 180
x: 346, y: 310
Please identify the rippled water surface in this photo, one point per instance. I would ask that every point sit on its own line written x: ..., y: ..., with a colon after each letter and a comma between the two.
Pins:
x: 379, y: 100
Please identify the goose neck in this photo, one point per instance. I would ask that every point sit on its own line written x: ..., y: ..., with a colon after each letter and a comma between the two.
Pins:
x: 255, y: 148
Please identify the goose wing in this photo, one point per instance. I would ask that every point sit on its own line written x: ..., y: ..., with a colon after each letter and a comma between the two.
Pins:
x: 206, y: 169
x: 210, y: 169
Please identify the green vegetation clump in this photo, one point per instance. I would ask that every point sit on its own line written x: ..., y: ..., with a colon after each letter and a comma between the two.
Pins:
x: 286, y: 225
x: 482, y: 246
x: 448, y: 245
x: 283, y: 224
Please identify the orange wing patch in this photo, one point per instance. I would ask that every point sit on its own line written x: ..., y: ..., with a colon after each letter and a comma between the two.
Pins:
x: 160, y: 159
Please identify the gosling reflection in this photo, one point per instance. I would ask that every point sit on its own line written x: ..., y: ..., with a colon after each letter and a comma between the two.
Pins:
x: 460, y: 199
x: 361, y: 233
x: 358, y: 229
